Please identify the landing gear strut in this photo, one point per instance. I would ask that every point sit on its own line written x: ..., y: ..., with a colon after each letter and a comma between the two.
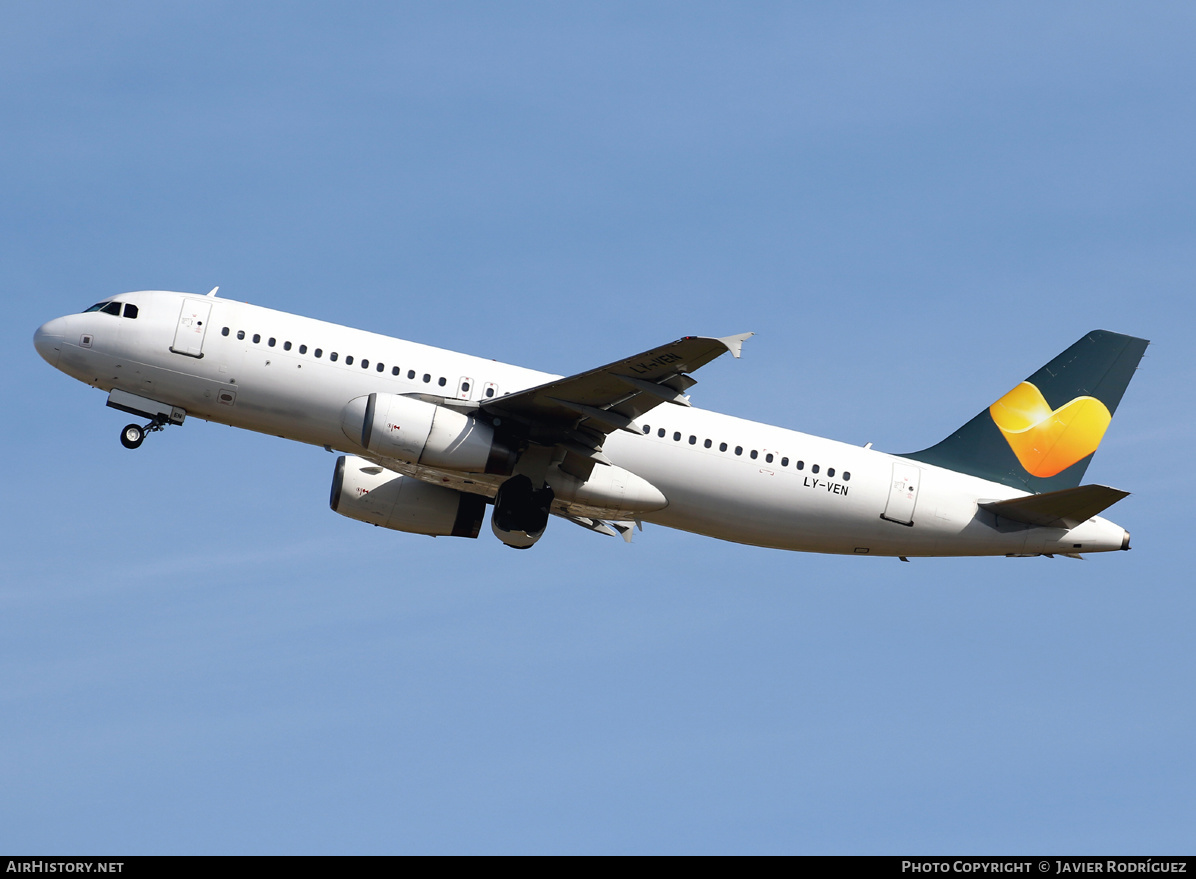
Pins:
x: 133, y: 435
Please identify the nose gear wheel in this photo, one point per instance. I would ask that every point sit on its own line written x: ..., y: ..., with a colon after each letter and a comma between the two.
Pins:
x: 133, y: 435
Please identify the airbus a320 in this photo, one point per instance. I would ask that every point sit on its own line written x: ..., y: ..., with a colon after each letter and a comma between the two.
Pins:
x: 433, y: 440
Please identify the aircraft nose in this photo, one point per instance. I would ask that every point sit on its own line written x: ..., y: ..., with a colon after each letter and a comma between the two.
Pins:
x: 48, y: 340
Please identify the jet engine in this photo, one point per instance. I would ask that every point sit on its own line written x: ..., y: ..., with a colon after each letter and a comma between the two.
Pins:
x: 416, y: 432
x: 520, y: 512
x: 369, y: 493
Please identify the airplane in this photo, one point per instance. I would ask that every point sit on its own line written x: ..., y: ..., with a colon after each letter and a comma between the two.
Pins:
x: 429, y: 438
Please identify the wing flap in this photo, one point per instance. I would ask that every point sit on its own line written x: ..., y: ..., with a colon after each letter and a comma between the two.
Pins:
x: 611, y: 528
x: 1058, y: 509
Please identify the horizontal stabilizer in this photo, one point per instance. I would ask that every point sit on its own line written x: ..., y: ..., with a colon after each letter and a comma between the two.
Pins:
x: 1058, y: 509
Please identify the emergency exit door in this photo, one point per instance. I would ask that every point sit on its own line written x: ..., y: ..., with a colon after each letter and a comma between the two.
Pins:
x: 193, y: 323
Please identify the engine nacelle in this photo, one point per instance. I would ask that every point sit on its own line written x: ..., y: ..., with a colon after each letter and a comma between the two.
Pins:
x: 416, y: 432
x: 369, y: 493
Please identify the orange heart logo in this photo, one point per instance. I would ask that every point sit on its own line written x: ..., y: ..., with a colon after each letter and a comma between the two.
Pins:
x: 1047, y: 442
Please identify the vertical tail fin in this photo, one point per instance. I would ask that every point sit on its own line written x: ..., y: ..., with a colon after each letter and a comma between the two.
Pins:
x: 1041, y: 435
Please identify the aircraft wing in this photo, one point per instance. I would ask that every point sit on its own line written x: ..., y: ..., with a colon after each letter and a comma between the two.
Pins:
x: 579, y: 411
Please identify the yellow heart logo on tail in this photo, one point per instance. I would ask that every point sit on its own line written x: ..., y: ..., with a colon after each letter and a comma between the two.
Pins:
x: 1047, y: 442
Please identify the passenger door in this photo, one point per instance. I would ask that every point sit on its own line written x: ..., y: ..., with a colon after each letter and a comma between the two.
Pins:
x: 193, y: 324
x: 903, y: 493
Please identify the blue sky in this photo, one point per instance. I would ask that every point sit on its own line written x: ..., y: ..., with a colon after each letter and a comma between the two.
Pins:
x: 914, y: 206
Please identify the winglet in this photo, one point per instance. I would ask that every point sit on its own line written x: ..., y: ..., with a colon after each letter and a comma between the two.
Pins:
x: 212, y: 292
x: 735, y: 343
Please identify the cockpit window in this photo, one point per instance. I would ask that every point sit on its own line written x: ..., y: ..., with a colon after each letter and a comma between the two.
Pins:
x: 109, y: 307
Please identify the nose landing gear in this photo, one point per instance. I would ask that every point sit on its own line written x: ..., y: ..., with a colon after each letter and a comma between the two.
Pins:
x: 159, y: 414
x: 133, y: 435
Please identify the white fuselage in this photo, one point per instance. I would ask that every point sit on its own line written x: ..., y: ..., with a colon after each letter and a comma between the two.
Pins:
x: 722, y: 476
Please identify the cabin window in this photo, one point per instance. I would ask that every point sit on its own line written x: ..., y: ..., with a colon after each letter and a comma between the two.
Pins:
x: 465, y: 387
x: 660, y: 432
x: 411, y: 373
x: 784, y: 462
x: 489, y: 392
x: 112, y: 308
x: 692, y: 439
x: 768, y: 457
x: 755, y: 454
x: 830, y: 471
x: 319, y: 352
x: 257, y: 337
x: 801, y: 465
x: 676, y: 436
x: 224, y: 332
x: 394, y: 370
x: 441, y: 382
x: 427, y: 377
x: 381, y: 367
x: 302, y: 349
x: 333, y: 356
x: 240, y: 334
x: 647, y: 428
x: 271, y: 342
x: 707, y: 444
x: 365, y: 364
x: 286, y: 346
x: 131, y: 311
x: 846, y: 476
x: 348, y: 360
x: 722, y: 447
x: 739, y: 450
x: 814, y: 468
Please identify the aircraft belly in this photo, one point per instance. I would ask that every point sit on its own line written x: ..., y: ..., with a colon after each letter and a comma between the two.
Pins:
x: 275, y: 400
